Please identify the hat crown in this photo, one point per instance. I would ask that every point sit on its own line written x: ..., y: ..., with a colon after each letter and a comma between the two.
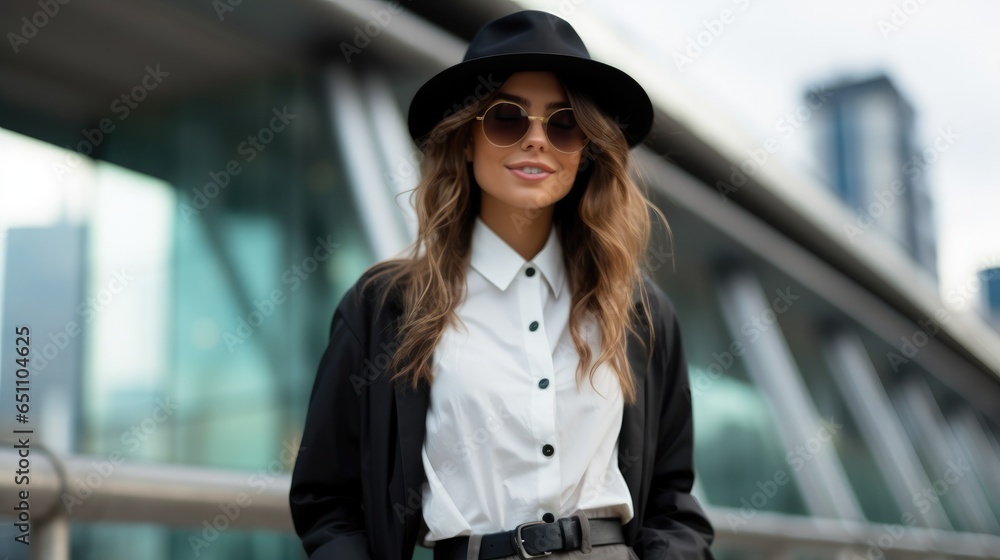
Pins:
x: 530, y: 41
x: 529, y: 31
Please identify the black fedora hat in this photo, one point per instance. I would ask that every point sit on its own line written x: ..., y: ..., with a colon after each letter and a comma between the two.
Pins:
x: 530, y: 41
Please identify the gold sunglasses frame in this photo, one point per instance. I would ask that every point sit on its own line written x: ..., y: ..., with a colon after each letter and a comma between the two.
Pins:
x: 544, y: 121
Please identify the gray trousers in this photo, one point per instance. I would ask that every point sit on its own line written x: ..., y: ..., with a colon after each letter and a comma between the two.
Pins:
x: 586, y: 552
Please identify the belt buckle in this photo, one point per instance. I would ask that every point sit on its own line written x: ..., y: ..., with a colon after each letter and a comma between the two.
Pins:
x: 519, y: 542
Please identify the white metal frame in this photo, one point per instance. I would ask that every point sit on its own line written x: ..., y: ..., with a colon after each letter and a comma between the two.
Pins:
x: 859, y: 384
x: 349, y: 112
x: 978, y: 448
x: 916, y: 405
x: 822, y: 482
x: 399, y: 156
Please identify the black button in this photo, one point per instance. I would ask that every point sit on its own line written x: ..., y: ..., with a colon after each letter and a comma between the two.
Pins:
x: 533, y: 326
x: 543, y: 383
x: 530, y: 271
x: 548, y: 450
x: 548, y: 518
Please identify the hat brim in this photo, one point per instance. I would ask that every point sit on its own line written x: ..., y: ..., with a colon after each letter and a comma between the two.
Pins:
x: 616, y: 93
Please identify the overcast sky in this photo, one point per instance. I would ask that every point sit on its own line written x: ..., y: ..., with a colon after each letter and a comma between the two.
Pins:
x: 944, y: 58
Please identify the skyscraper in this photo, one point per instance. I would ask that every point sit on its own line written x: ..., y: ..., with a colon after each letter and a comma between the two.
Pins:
x: 989, y: 279
x: 871, y: 159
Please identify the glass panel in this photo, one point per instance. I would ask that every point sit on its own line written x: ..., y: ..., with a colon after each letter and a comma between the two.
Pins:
x: 958, y: 490
x: 992, y: 450
x: 125, y: 408
x: 940, y: 468
x: 229, y: 220
x: 947, y: 400
x: 101, y: 541
x: 263, y: 244
x: 977, y: 446
x: 739, y: 456
x: 869, y: 483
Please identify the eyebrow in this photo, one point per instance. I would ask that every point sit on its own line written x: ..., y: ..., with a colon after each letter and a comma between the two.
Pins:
x: 526, y: 103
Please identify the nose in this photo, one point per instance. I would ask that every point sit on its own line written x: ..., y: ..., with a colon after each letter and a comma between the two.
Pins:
x: 535, y: 137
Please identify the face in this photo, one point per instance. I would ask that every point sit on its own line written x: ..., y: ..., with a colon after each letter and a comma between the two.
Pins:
x: 509, y: 177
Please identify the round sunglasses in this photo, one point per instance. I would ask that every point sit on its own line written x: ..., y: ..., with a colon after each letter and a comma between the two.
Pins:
x: 506, y: 123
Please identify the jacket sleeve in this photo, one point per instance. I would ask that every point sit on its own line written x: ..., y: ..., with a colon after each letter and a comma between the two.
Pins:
x: 674, y: 525
x: 326, y: 488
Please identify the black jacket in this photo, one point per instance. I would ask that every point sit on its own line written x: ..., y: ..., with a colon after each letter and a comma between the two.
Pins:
x: 357, y: 484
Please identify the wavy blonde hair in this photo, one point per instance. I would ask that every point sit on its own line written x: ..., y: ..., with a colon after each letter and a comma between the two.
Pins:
x: 603, y: 226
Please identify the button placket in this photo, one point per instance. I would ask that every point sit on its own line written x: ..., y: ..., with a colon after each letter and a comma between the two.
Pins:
x: 531, y: 297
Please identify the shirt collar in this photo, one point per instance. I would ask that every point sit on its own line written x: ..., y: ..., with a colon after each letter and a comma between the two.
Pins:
x: 499, y: 263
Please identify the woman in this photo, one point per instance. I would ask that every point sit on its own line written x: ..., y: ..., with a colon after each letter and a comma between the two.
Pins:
x: 515, y: 387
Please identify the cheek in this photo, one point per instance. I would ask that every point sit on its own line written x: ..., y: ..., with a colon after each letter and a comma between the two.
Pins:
x: 483, y: 168
x: 570, y: 167
x: 482, y: 163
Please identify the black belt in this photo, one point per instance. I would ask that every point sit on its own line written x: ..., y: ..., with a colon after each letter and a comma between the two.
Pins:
x: 534, y: 539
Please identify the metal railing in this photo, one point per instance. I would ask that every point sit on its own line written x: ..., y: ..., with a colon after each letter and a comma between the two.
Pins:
x: 82, y: 489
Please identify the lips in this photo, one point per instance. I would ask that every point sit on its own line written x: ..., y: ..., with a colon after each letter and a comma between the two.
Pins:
x: 530, y: 171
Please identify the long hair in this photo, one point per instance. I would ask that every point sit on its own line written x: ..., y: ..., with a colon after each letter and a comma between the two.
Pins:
x: 602, y: 224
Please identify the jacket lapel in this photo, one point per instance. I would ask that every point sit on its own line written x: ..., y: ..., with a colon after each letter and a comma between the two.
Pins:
x: 411, y: 421
x: 411, y: 417
x: 632, y: 437
x: 411, y: 414
x: 410, y: 408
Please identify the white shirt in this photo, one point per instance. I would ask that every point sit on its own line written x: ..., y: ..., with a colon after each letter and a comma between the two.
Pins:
x: 503, y: 392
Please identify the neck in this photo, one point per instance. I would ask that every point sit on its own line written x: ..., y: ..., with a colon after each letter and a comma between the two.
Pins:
x: 526, y: 231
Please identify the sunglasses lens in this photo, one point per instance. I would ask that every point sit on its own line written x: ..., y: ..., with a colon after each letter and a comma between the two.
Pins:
x: 563, y: 131
x: 505, y: 124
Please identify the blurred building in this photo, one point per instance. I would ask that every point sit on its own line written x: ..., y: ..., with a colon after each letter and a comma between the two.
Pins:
x: 989, y: 279
x: 875, y: 164
x: 227, y: 170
